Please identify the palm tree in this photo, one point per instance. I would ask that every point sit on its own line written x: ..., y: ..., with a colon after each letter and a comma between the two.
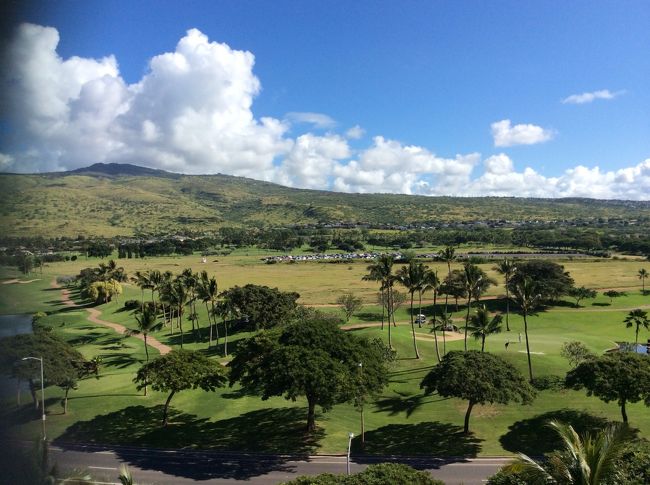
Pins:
x: 506, y: 268
x: 141, y: 280
x: 444, y: 323
x: 480, y: 325
x: 179, y: 297
x: 155, y: 281
x: 412, y: 277
x: 638, y: 318
x: 447, y: 255
x: 473, y: 277
x: 643, y: 274
x: 589, y: 459
x: 431, y: 282
x: 147, y: 323
x: 382, y: 270
x: 208, y: 291
x: 191, y: 281
x: 67, y: 384
x: 527, y: 296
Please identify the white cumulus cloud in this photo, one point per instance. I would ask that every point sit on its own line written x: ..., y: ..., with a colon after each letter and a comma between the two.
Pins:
x: 318, y: 120
x: 506, y: 135
x: 192, y: 112
x: 355, y: 133
x: 591, y: 96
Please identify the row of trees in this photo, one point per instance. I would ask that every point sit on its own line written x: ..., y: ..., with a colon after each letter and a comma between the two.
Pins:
x: 529, y: 284
x: 311, y: 358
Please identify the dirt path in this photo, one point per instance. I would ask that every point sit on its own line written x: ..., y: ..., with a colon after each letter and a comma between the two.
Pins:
x: 20, y: 282
x: 94, y: 314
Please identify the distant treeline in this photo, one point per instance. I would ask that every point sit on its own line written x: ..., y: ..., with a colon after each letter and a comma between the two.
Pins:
x: 627, y: 239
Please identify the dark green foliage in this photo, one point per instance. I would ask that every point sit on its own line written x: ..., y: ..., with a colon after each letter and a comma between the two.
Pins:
x: 60, y: 359
x: 548, y: 382
x: 508, y: 477
x: 551, y: 281
x: 620, y: 376
x: 380, y: 474
x: 262, y: 306
x: 311, y: 358
x: 132, y: 304
x: 478, y: 378
x: 581, y: 293
x: 634, y: 464
x: 576, y: 352
x: 180, y: 370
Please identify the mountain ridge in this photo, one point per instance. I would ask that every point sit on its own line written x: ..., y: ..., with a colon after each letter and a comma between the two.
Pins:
x: 127, y: 199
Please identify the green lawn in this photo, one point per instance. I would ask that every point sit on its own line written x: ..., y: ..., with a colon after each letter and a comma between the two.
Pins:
x: 401, y: 420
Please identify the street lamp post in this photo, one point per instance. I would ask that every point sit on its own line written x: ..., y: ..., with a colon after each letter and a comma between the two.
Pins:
x: 40, y: 359
x: 362, y: 398
x: 350, y: 436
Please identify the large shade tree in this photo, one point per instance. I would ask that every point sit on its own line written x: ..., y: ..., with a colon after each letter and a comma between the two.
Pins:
x: 623, y: 377
x: 550, y: 279
x: 61, y: 362
x: 478, y: 378
x: 178, y: 371
x: 311, y: 358
x: 262, y: 306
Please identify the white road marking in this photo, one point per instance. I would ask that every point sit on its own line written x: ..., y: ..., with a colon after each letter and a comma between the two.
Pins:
x: 102, y: 467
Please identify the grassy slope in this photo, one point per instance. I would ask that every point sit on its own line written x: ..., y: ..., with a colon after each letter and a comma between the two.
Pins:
x: 402, y: 419
x: 86, y: 204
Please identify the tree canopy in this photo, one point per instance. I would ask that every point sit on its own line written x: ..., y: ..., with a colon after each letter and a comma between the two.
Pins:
x: 263, y: 306
x: 311, y: 358
x: 620, y: 376
x: 61, y: 361
x: 178, y: 371
x: 550, y: 278
x: 479, y: 378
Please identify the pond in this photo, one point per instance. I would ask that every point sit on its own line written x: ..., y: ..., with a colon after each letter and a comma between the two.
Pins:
x: 632, y: 347
x: 15, y: 324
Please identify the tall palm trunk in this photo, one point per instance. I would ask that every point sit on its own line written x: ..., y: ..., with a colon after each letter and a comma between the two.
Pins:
x: 384, y: 302
x: 225, y: 344
x: 507, y: 307
x: 216, y: 324
x: 469, y: 304
x: 390, y: 298
x: 530, y: 365
x: 415, y: 344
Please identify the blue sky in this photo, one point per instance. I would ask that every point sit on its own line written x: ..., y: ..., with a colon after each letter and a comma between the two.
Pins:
x: 461, y: 98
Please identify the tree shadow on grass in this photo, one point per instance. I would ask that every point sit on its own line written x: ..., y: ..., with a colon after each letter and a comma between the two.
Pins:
x: 399, y: 404
x: 271, y: 431
x: 533, y: 436
x: 430, y: 438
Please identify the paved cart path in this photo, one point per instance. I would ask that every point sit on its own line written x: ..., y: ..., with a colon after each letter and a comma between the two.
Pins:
x: 94, y: 314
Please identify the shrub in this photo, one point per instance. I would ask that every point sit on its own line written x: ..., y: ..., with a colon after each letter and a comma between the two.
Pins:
x: 132, y: 304
x: 548, y: 382
x: 507, y: 478
x: 380, y: 474
x: 634, y: 464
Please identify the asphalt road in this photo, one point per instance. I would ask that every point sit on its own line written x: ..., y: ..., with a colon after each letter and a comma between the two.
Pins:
x: 163, y: 467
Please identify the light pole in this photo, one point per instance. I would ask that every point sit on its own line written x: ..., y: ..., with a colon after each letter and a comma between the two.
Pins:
x: 40, y: 359
x: 361, y: 401
x: 350, y: 436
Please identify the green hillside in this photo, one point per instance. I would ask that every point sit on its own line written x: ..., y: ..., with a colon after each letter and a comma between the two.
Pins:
x: 110, y: 200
